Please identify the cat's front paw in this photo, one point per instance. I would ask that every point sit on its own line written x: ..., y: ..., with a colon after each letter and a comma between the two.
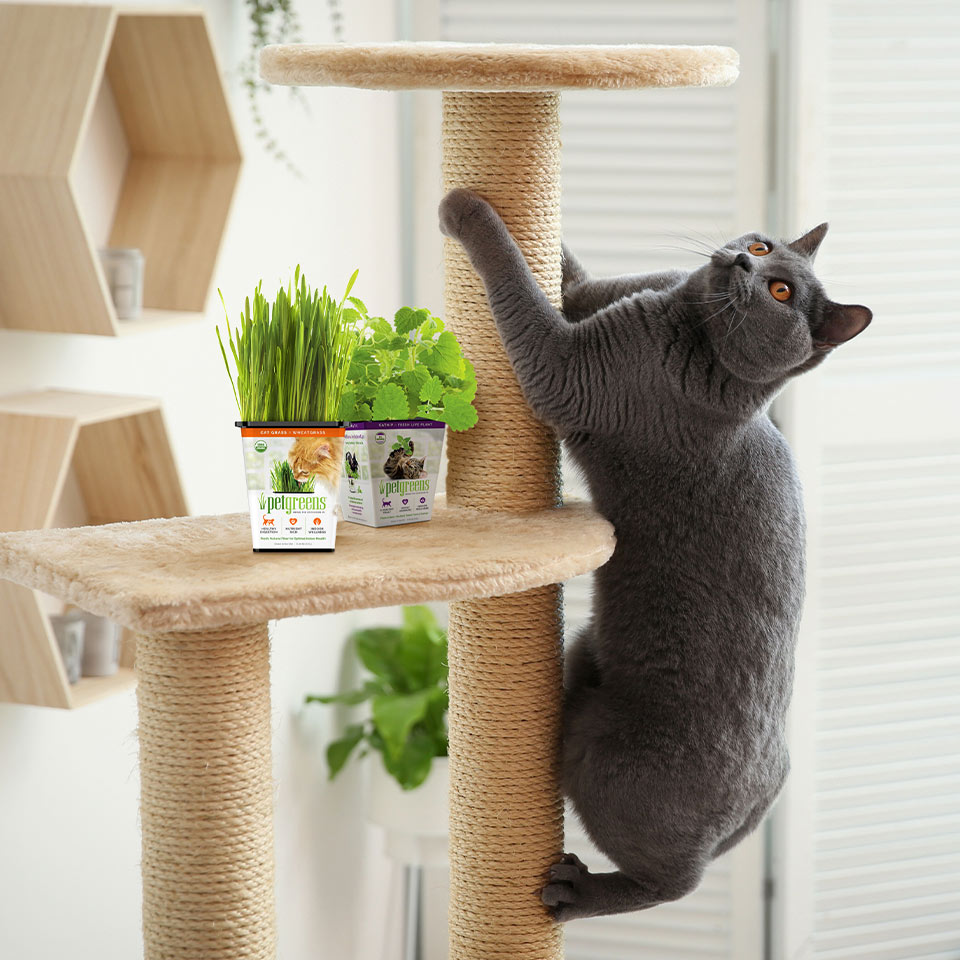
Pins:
x: 459, y: 209
x: 565, y: 894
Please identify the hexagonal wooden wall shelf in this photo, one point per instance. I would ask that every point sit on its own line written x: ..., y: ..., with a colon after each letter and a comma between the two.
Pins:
x: 71, y: 459
x: 149, y: 85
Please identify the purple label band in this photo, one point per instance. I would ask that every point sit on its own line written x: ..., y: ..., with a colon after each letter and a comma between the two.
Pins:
x: 395, y: 425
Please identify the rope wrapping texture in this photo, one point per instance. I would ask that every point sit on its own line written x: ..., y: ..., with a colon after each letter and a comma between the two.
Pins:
x: 206, y: 795
x: 505, y: 656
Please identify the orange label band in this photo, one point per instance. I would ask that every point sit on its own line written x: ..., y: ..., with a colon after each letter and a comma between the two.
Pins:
x: 291, y: 431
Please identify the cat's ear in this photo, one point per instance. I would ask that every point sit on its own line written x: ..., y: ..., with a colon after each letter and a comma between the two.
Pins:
x: 321, y: 452
x: 841, y: 322
x: 809, y: 243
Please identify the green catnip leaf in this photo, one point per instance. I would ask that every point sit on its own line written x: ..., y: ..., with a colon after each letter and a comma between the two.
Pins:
x: 414, y: 379
x: 359, y: 304
x: 385, y: 359
x: 444, y: 356
x: 431, y: 391
x: 405, y: 320
x: 348, y: 404
x: 457, y: 413
x: 390, y: 403
x: 468, y: 381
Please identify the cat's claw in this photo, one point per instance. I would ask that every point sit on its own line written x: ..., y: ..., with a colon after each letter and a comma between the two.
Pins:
x: 563, y: 893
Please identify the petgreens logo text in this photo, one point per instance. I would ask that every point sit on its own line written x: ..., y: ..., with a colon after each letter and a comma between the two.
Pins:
x: 388, y: 487
x: 288, y: 503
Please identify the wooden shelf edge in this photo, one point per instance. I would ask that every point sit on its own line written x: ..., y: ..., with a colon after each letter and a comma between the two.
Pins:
x: 83, y: 406
x: 152, y: 319
x: 89, y: 690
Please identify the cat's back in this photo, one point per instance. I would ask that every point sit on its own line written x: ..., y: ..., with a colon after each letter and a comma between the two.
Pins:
x: 708, y: 570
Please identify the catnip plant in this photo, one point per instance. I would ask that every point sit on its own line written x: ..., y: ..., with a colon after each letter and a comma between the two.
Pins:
x: 411, y: 368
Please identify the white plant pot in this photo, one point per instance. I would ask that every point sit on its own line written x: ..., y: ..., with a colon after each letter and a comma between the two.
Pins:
x: 415, y: 821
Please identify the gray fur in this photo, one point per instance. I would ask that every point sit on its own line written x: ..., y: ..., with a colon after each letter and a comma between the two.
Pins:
x: 676, y: 693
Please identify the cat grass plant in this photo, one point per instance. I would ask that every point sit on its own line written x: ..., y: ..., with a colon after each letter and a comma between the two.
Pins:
x: 292, y: 355
x: 407, y: 696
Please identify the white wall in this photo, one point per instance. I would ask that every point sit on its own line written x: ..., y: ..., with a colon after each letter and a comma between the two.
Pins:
x: 69, y: 841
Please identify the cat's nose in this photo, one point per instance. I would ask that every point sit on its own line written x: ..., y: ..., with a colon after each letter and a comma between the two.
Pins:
x: 742, y: 260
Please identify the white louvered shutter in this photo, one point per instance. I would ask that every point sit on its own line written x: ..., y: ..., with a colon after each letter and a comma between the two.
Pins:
x: 647, y: 176
x: 868, y: 838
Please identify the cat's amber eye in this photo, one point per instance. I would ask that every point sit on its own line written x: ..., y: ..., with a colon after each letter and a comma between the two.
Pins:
x: 758, y: 248
x: 780, y: 290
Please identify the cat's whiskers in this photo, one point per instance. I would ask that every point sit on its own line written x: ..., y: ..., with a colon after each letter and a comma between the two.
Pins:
x: 710, y: 299
x: 699, y: 246
x: 732, y: 302
x: 738, y: 325
x: 690, y: 250
x: 696, y: 251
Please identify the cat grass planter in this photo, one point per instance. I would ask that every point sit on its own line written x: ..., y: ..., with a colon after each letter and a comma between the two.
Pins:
x: 293, y: 472
x: 390, y: 471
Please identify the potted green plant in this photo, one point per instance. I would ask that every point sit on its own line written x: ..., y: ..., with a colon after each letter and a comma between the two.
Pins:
x: 408, y: 381
x: 406, y: 728
x: 291, y: 357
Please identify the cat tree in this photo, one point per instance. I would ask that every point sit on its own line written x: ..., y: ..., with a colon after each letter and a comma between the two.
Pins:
x: 200, y: 599
x: 501, y: 138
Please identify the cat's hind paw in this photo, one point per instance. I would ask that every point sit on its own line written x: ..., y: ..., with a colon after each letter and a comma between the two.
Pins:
x: 564, y: 891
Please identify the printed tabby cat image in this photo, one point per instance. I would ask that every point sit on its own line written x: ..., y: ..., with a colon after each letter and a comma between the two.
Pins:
x: 400, y: 465
x: 660, y: 386
x: 316, y: 457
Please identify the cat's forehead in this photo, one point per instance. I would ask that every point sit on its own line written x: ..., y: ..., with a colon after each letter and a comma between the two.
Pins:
x: 754, y: 236
x: 779, y: 252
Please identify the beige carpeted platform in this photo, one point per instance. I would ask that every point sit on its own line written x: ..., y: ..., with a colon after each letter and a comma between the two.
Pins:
x: 480, y: 66
x: 158, y: 576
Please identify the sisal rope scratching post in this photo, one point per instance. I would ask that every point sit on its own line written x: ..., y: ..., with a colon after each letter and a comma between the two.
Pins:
x: 206, y: 800
x: 506, y: 813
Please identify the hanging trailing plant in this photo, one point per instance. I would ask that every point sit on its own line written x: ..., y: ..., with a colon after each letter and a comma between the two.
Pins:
x: 275, y: 21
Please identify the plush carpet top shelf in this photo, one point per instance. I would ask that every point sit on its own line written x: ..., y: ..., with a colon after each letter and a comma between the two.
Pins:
x: 191, y: 573
x: 498, y: 66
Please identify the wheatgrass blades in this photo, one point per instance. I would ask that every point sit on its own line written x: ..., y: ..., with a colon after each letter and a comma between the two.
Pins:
x: 292, y: 355
x: 282, y: 479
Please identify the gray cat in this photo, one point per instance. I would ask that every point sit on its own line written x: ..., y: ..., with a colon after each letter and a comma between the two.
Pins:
x: 660, y: 384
